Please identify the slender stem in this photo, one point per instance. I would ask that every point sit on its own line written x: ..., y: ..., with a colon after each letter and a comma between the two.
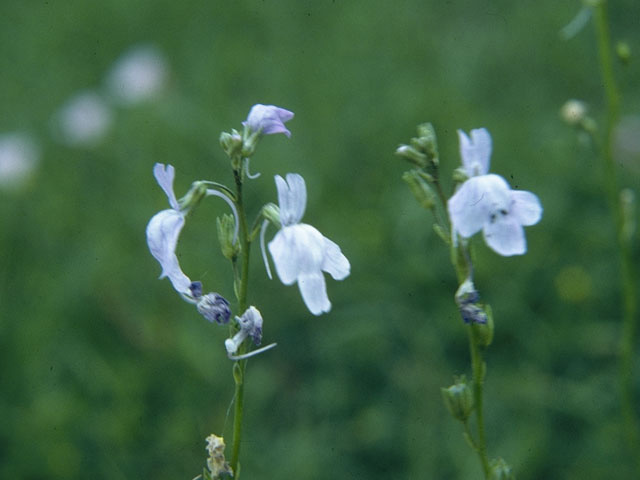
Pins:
x: 627, y: 274
x: 242, y: 283
x: 478, y: 368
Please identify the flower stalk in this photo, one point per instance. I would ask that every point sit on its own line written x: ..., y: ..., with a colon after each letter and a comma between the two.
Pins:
x: 627, y: 273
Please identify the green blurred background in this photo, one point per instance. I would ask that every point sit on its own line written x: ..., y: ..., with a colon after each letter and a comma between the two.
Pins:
x: 106, y: 373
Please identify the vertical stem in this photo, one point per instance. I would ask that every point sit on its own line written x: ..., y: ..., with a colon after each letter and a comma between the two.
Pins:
x: 627, y: 274
x: 242, y: 284
x: 478, y: 368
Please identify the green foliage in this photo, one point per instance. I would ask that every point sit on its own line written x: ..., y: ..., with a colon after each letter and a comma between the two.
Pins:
x: 104, y: 372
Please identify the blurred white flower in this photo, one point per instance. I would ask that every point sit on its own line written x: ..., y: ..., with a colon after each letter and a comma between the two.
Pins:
x: 300, y: 252
x: 163, y: 231
x: 268, y: 119
x: 19, y: 156
x: 139, y: 75
x: 627, y: 142
x: 84, y: 120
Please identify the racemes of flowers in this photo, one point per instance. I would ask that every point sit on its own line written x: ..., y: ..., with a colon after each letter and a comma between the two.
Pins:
x: 300, y: 254
x: 481, y: 201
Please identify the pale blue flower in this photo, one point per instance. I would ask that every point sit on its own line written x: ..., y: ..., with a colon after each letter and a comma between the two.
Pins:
x: 300, y: 252
x: 268, y: 119
x: 487, y: 203
x: 163, y: 231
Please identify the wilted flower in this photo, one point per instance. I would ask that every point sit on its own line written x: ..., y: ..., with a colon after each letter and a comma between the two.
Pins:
x: 214, y: 307
x: 486, y: 202
x: 19, y: 155
x: 268, y: 119
x: 300, y: 252
x: 250, y: 326
x: 138, y: 75
x: 163, y: 231
x: 216, y: 462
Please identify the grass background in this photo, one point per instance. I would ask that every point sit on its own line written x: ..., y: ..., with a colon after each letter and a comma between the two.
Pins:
x: 105, y: 373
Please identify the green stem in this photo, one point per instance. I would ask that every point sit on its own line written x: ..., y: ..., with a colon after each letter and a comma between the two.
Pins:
x: 478, y: 368
x: 242, y: 283
x: 627, y: 274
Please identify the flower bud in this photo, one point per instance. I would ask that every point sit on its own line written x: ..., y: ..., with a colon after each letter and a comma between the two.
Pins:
x: 574, y: 112
x: 196, y: 193
x: 458, y: 399
x: 499, y: 470
x: 214, y: 307
x: 271, y: 212
x: 231, y: 143
x: 420, y: 189
x: 226, y: 227
x: 623, y: 50
x: 412, y: 155
x: 460, y: 175
x: 429, y: 142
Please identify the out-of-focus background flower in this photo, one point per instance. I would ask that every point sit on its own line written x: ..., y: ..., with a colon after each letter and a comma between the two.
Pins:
x: 106, y: 373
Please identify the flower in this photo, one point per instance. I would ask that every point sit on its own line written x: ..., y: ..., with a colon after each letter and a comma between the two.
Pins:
x: 19, y: 157
x: 268, y: 119
x: 138, y: 75
x: 486, y: 202
x: 163, y: 231
x: 83, y: 121
x: 300, y: 252
x: 250, y: 326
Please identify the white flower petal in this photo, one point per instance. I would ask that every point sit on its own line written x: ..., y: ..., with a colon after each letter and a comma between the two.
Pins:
x: 163, y: 231
x: 334, y: 262
x: 292, y: 198
x: 475, y: 152
x: 286, y: 263
x: 164, y: 176
x: 470, y: 207
x: 505, y: 236
x: 314, y: 292
x: 526, y: 207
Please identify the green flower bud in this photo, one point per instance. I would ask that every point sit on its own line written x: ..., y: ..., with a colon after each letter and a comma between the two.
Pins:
x: 458, y: 399
x: 226, y: 228
x: 623, y: 50
x: 429, y: 141
x: 420, y: 189
x: 460, y: 175
x: 196, y: 193
x: 499, y: 470
x: 231, y: 142
x: 272, y: 213
x: 411, y: 154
